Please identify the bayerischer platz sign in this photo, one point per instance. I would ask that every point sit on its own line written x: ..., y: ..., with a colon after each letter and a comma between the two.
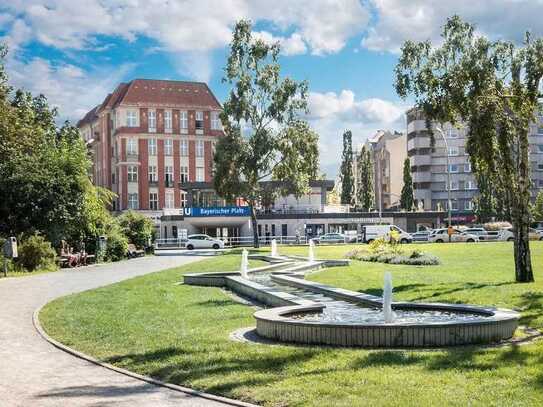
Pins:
x: 197, y: 211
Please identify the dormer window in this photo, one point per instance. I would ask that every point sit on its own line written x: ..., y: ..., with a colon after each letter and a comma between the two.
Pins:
x: 131, y: 118
x: 199, y: 120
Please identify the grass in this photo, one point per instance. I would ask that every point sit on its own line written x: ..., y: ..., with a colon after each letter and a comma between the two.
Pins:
x: 180, y: 334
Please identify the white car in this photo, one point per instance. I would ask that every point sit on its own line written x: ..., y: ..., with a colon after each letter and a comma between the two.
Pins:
x: 203, y: 242
x: 442, y: 236
x: 330, y: 238
x: 372, y: 232
x: 509, y: 235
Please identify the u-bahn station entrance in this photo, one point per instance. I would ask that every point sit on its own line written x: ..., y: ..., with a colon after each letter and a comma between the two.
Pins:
x: 286, y: 218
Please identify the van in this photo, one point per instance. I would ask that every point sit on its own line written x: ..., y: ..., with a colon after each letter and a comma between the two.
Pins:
x: 372, y: 232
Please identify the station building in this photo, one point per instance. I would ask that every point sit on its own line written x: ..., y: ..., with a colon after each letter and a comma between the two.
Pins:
x: 152, y: 144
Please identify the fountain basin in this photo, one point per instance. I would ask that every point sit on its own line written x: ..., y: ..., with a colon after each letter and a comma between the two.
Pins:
x: 298, y: 318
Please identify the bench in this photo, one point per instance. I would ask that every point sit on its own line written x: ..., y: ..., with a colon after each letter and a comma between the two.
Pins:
x: 133, y: 251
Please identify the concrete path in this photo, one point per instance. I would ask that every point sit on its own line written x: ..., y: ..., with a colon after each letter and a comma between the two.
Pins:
x: 35, y: 373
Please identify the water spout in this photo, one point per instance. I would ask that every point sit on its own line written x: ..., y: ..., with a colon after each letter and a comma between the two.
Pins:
x: 311, y: 254
x: 244, y: 263
x: 388, y: 314
x: 274, y: 248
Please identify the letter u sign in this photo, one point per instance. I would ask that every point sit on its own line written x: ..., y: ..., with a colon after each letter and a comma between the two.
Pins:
x: 187, y: 211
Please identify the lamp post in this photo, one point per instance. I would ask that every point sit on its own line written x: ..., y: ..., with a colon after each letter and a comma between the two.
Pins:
x: 440, y: 131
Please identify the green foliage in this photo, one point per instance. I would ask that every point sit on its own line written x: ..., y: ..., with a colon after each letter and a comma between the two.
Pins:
x: 264, y: 135
x: 117, y: 243
x: 537, y: 210
x: 493, y: 87
x: 138, y: 228
x: 380, y: 251
x: 407, y: 200
x: 346, y: 170
x: 35, y: 252
x: 44, y: 181
x: 364, y: 178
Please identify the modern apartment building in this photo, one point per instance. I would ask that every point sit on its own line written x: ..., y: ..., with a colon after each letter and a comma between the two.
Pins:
x: 429, y: 166
x: 389, y: 150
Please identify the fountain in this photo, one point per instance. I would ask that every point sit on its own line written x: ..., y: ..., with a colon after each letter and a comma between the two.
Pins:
x: 311, y: 256
x: 388, y: 314
x: 244, y: 263
x: 274, y: 248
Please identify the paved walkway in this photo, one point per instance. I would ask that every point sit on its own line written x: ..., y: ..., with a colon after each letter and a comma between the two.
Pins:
x: 35, y: 373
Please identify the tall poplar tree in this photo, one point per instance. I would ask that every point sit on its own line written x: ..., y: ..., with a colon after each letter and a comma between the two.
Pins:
x: 407, y: 199
x: 365, y: 190
x: 493, y: 87
x: 347, y: 178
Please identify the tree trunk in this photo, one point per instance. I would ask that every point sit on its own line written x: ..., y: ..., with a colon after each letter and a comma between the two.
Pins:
x: 521, y: 214
x: 254, y: 222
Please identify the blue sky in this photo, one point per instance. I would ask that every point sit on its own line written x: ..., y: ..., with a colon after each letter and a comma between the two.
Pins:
x: 75, y: 52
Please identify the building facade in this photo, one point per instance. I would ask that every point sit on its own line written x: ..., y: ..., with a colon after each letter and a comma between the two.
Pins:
x: 389, y: 150
x: 430, y: 171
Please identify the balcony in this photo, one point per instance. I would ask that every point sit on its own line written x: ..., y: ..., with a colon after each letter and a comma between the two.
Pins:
x: 422, y: 176
x: 418, y: 160
x: 418, y: 142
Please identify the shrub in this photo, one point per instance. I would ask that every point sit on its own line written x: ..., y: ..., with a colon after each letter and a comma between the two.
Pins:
x: 35, y: 252
x: 416, y: 258
x: 117, y: 243
x: 138, y: 228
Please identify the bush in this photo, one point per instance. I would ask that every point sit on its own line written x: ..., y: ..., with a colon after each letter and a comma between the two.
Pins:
x: 35, y: 252
x: 138, y: 228
x: 117, y: 243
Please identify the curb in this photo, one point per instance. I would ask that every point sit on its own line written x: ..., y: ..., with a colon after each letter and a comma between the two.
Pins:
x: 147, y: 379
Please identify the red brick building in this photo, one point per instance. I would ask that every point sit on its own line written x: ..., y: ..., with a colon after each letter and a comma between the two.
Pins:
x: 148, y: 137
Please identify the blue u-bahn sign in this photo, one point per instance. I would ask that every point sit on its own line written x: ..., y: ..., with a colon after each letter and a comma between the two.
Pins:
x: 198, y: 211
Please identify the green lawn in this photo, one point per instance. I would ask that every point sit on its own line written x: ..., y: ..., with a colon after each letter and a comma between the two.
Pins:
x: 180, y: 334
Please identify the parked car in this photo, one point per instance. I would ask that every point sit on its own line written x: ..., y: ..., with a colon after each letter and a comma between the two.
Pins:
x: 203, y: 242
x: 509, y: 235
x: 330, y: 238
x: 442, y: 236
x: 421, y: 235
x: 372, y: 232
x: 482, y: 233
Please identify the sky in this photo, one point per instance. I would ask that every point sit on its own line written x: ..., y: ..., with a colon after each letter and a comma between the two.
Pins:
x: 77, y: 51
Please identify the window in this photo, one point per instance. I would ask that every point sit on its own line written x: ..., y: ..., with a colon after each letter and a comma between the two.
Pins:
x: 153, y: 201
x: 152, y: 146
x: 152, y: 173
x: 199, y: 120
x: 540, y: 148
x: 169, y: 202
x: 184, y: 148
x: 168, y: 120
x: 184, y: 173
x: 168, y: 146
x: 183, y: 199
x: 540, y: 183
x: 132, y: 172
x: 454, y: 185
x: 453, y: 167
x: 468, y: 205
x: 470, y: 185
x: 152, y: 121
x: 131, y: 146
x: 133, y: 202
x: 452, y: 132
x: 200, y: 174
x: 183, y: 120
x: 453, y: 151
x: 539, y: 129
x: 113, y: 178
x: 131, y: 118
x: 454, y: 205
x: 467, y: 167
x: 215, y: 121
x: 199, y: 148
x: 168, y: 173
x: 540, y: 166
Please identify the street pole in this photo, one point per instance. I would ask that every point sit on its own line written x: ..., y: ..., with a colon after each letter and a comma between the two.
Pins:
x: 448, y: 175
x: 380, y: 186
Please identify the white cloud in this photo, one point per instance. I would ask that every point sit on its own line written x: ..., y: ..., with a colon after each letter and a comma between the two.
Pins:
x: 330, y: 114
x: 66, y: 86
x: 293, y: 45
x: 400, y: 20
x: 192, y: 25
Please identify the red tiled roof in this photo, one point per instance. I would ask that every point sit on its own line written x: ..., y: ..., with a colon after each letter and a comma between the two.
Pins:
x: 89, y: 117
x: 169, y: 93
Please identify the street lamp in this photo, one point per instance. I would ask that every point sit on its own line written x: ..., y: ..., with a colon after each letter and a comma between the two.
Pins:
x: 440, y: 131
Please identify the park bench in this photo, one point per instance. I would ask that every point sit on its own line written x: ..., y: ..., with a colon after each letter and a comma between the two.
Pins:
x: 133, y: 251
